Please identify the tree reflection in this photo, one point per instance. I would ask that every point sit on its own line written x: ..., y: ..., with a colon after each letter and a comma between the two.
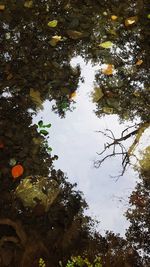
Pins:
x: 35, y: 65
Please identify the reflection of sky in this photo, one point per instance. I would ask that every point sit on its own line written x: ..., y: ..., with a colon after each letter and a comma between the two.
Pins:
x: 75, y: 140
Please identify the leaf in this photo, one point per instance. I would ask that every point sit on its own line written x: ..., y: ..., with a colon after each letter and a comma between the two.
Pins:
x: 52, y: 23
x: 130, y: 21
x: 139, y: 62
x: 2, y: 7
x: 107, y: 44
x: 44, y: 132
x: 74, y: 34
x: 40, y: 123
x: 108, y: 70
x: 114, y: 17
x: 73, y: 95
x: 97, y: 94
x: 12, y: 162
x: 108, y: 110
x: 36, y: 97
x: 148, y: 16
x: 46, y: 125
x: 55, y: 39
x: 28, y: 4
x: 17, y: 171
x: 49, y: 149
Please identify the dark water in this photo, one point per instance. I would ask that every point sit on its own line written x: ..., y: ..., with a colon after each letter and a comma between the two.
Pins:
x: 74, y: 132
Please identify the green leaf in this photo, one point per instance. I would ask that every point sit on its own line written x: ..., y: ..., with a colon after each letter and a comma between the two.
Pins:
x: 40, y: 123
x: 52, y: 23
x: 49, y: 149
x: 44, y: 132
x: 46, y: 125
x: 107, y: 44
x: 148, y: 16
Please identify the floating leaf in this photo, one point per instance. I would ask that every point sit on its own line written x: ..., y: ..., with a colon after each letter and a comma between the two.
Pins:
x: 44, y: 132
x: 108, y: 70
x: 114, y: 17
x: 73, y: 95
x: 139, y: 62
x: 36, y: 97
x: 17, y: 171
x: 107, y: 44
x: 97, y: 94
x: 28, y: 4
x: 52, y: 23
x: 40, y: 123
x: 12, y: 162
x: 74, y: 34
x: 2, y: 7
x: 47, y: 125
x: 49, y: 149
x: 130, y: 21
x: 55, y: 39
x: 108, y: 110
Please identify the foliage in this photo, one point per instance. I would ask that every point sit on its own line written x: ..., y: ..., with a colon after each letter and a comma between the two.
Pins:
x: 81, y: 262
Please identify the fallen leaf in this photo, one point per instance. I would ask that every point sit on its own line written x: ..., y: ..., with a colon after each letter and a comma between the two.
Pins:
x: 114, y: 17
x: 97, y: 94
x: 36, y: 97
x: 44, y: 132
x: 12, y: 162
x: 107, y: 44
x: 74, y: 34
x: 17, y: 171
x: 73, y: 95
x: 2, y: 7
x: 52, y: 23
x: 28, y: 4
x: 55, y: 39
x: 139, y: 62
x: 108, y: 70
x: 130, y: 21
x: 108, y: 110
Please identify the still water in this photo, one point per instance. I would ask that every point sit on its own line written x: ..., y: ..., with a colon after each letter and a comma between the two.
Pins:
x: 74, y: 133
x: 75, y: 139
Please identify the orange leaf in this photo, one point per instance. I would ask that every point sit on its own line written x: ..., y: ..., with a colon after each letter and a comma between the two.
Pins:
x: 73, y: 95
x: 108, y: 70
x: 139, y: 62
x: 17, y: 171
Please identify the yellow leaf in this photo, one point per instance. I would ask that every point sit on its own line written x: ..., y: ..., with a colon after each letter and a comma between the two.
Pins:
x: 107, y: 44
x: 74, y: 34
x: 73, y: 95
x: 2, y: 7
x: 130, y: 21
x: 108, y: 110
x: 97, y: 94
x: 55, y: 39
x: 36, y: 97
x: 52, y: 23
x: 114, y: 17
x: 108, y: 70
x: 28, y: 4
x: 139, y: 62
